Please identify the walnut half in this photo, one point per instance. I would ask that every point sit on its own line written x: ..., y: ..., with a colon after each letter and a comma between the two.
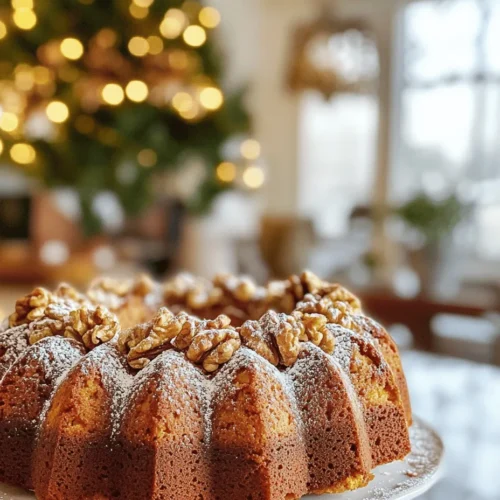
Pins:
x: 31, y: 307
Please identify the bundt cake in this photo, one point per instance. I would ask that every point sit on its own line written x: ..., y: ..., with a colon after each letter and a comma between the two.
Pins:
x: 197, y: 389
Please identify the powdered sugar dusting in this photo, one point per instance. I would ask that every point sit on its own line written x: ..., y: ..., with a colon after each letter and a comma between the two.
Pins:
x: 13, y: 342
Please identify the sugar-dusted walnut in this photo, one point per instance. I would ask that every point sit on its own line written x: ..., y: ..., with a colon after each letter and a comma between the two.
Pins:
x: 253, y: 336
x: 194, y: 326
x: 143, y: 286
x: 242, y: 289
x: 311, y: 282
x: 213, y: 348
x: 54, y: 322
x: 31, y: 307
x: 146, y: 341
x: 176, y: 289
x: 337, y: 293
x: 68, y: 293
x: 91, y: 325
x: 286, y: 333
x: 316, y: 330
x: 204, y: 295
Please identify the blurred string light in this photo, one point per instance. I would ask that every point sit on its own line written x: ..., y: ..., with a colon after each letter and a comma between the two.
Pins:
x: 173, y: 23
x: 138, y: 46
x: 9, y: 122
x: 194, y: 35
x: 253, y: 177
x: 106, y: 38
x: 72, y: 48
x: 24, y: 18
x: 226, y: 172
x: 143, y: 3
x: 42, y: 75
x: 3, y: 30
x: 24, y: 77
x: 137, y: 91
x: 182, y: 102
x: 211, y: 98
x: 22, y: 4
x: 147, y: 158
x: 23, y: 153
x: 113, y: 94
x: 209, y: 17
x: 1, y: 146
x: 250, y: 149
x: 137, y: 11
x: 155, y: 44
x: 57, y: 112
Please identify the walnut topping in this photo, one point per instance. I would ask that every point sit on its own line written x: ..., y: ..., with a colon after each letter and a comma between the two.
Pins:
x: 286, y: 333
x: 87, y: 325
x: 150, y: 339
x: 204, y: 296
x: 176, y: 289
x: 53, y: 323
x: 255, y: 338
x: 143, y: 286
x: 92, y: 326
x: 316, y: 331
x: 337, y: 293
x: 207, y: 342
x: 193, y: 326
x: 242, y: 289
x: 214, y: 347
x: 67, y: 292
x: 31, y: 307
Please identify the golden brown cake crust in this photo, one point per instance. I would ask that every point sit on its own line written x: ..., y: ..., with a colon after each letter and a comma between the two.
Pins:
x: 195, y: 388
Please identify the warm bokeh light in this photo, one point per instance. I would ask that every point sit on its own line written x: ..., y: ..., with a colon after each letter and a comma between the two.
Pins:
x: 22, y: 4
x: 84, y: 124
x: 106, y: 38
x: 24, y: 77
x: 137, y: 91
x: 173, y: 23
x: 143, y: 3
x: 155, y: 44
x: 42, y: 75
x: 209, y: 17
x: 191, y: 113
x: 24, y: 18
x: 182, y: 102
x: 57, y: 112
x: 3, y: 30
x: 113, y: 94
x: 1, y: 146
x: 226, y: 172
x: 253, y: 177
x: 250, y: 149
x: 147, y: 158
x: 211, y: 98
x: 137, y: 11
x: 23, y: 153
x: 178, y: 59
x: 72, y: 48
x: 194, y: 36
x: 138, y: 46
x: 9, y: 122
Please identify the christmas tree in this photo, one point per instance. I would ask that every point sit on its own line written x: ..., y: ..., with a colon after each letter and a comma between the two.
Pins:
x: 102, y: 95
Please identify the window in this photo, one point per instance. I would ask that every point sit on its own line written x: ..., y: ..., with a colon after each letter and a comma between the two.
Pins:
x: 450, y: 108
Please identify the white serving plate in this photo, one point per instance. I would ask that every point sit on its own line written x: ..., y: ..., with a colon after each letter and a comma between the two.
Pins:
x: 397, y: 481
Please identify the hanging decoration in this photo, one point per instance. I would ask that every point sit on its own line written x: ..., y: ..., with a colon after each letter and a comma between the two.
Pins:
x: 333, y: 56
